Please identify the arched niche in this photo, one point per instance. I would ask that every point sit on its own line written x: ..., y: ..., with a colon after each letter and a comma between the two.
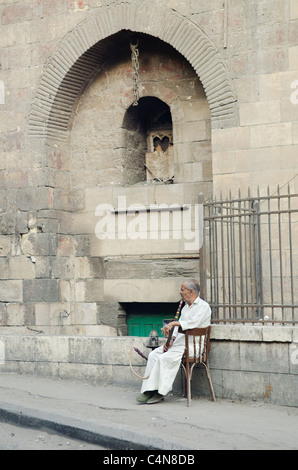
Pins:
x: 148, y: 141
x: 87, y: 46
x: 166, y: 138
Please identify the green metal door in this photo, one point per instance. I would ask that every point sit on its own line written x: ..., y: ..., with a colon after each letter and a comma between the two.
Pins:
x: 141, y: 318
x: 141, y: 325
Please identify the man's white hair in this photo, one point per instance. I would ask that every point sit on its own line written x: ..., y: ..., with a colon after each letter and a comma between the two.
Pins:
x: 192, y: 284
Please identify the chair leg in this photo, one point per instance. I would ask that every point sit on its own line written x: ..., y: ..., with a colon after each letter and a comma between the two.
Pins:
x: 210, y: 382
x: 187, y: 386
x: 188, y: 375
x: 182, y: 376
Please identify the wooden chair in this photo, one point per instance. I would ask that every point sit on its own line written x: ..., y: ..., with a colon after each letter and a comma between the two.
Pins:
x: 201, y: 352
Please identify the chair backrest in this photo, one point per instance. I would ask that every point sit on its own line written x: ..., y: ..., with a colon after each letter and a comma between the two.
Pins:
x: 201, y: 345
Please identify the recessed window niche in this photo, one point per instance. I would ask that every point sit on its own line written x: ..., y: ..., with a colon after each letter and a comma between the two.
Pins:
x: 148, y: 142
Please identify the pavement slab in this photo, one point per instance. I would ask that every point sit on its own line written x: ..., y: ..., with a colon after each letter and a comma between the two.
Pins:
x: 109, y: 416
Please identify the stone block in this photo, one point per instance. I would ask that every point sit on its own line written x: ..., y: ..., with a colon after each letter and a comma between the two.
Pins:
x: 3, y: 199
x: 271, y: 135
x: 15, y: 179
x: 237, y: 332
x: 89, y: 291
x: 274, y: 357
x: 94, y: 290
x: 85, y: 313
x: 167, y: 194
x: 3, y: 314
x: 48, y: 225
x: 224, y: 355
x: 65, y: 245
x: 272, y: 60
x: 293, y: 355
x: 65, y: 294
x: 281, y: 389
x: 85, y: 351
x: 293, y: 10
x: 84, y: 222
x: 119, y: 376
x: 20, y: 315
x: 8, y: 223
x: 39, y: 244
x: 96, y: 267
x: 143, y: 269
x: 247, y: 89
x: 116, y: 352
x: 21, y: 222
x: 196, y: 111
x: 259, y: 113
x: 4, y: 268
x: 82, y: 245
x: 20, y: 348
x: 96, y: 196
x: 191, y: 132
x: 230, y: 139
x: 100, y: 330
x: 34, y: 199
x: 52, y: 314
x: 41, y: 290
x: 11, y: 291
x: 108, y: 313
x: 293, y: 58
x: 271, y: 86
x: 52, y: 348
x: 20, y: 268
x: 16, y: 13
x: 280, y: 334
x: 189, y: 172
x: 242, y: 385
x: 54, y: 267
x: 142, y: 290
x: 289, y: 110
x: 82, y: 268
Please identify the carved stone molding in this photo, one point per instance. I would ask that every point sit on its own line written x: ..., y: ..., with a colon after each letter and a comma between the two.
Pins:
x: 80, y: 53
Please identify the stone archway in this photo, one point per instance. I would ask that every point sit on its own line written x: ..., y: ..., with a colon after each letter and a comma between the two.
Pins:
x: 79, y: 56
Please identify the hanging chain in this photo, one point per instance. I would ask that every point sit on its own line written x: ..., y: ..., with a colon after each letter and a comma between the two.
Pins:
x: 135, y: 71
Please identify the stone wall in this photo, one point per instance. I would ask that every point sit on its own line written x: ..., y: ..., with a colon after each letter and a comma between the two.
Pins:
x: 246, y: 362
x: 228, y: 73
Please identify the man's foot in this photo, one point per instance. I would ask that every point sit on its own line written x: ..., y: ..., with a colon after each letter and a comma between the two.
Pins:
x: 155, y: 398
x: 144, y: 397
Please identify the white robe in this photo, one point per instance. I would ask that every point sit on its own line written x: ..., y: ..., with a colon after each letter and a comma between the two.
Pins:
x: 163, y: 367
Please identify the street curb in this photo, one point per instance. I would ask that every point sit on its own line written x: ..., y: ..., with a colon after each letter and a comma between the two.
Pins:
x: 87, y: 431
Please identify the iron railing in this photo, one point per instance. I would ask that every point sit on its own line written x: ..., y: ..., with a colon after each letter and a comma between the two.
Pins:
x: 249, y: 259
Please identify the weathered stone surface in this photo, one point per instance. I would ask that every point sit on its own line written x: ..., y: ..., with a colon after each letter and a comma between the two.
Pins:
x: 139, y: 269
x: 11, y: 291
x: 73, y: 91
x: 41, y: 290
x: 41, y: 244
x: 106, y: 360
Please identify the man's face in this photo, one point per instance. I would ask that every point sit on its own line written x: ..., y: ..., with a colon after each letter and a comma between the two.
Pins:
x: 185, y: 293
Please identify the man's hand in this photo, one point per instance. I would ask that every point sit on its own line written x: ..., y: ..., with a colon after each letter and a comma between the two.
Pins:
x: 165, y: 348
x: 166, y: 329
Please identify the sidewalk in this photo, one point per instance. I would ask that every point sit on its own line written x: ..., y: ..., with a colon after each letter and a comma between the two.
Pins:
x: 110, y: 416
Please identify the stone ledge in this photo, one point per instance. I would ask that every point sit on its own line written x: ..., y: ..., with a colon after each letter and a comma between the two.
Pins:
x: 260, y: 333
x: 243, y: 332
